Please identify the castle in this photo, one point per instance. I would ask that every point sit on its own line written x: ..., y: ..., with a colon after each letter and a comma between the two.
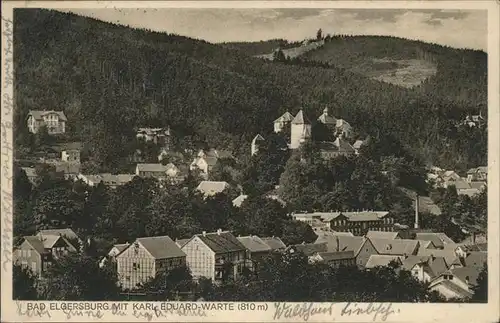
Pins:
x: 300, y: 131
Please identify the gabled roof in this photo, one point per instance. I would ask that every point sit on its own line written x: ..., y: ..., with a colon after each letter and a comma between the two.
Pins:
x: 325, y: 118
x: 300, y: 118
x: 285, y: 117
x: 68, y: 233
x: 310, y: 249
x: 161, y: 247
x: 151, y: 167
x: 342, y: 243
x: 254, y: 244
x: 412, y: 260
x: 30, y: 171
x: 398, y: 247
x: 343, y: 124
x: 463, y: 272
x: 36, y: 243
x: 381, y: 260
x: 257, y: 138
x: 351, y: 216
x: 459, y: 291
x: 38, y: 114
x: 274, y: 243
x: 382, y: 235
x: 438, y: 238
x: 120, y: 247
x: 325, y: 234
x: 336, y: 255
x: 476, y: 259
x: 358, y: 144
x: 221, y: 241
x: 239, y: 200
x: 343, y: 145
x: 426, y: 244
x: 212, y: 187
x: 435, y: 267
x: 448, y: 255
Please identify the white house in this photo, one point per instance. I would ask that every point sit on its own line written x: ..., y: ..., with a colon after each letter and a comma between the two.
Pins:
x: 282, y: 121
x: 55, y: 121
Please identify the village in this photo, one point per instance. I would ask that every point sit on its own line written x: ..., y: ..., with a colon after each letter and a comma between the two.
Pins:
x: 365, y: 239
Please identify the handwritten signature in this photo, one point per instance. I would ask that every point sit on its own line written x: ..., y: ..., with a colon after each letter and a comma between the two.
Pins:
x: 36, y: 312
x: 303, y: 311
x: 383, y: 309
x: 149, y: 315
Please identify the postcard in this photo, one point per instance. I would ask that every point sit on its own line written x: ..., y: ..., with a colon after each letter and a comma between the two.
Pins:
x: 233, y: 161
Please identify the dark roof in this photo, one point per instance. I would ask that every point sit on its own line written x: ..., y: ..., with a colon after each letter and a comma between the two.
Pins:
x: 342, y: 243
x: 310, y: 249
x: 68, y: 233
x: 274, y: 243
x: 221, y: 242
x: 382, y: 234
x: 438, y: 238
x: 449, y: 255
x: 336, y: 255
x: 476, y: 259
x: 254, y: 244
x: 381, y: 260
x: 161, y: 247
x: 463, y: 272
x: 435, y: 266
x: 395, y: 246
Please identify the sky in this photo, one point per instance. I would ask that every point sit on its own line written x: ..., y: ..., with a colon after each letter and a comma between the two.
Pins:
x: 456, y: 28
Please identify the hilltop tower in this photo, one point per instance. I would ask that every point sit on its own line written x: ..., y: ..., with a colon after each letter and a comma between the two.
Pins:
x: 301, y: 130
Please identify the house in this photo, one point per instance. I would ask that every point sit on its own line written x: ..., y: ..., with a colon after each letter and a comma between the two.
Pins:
x: 39, y: 252
x: 479, y: 174
x: 274, y: 243
x: 157, y: 171
x: 463, y: 250
x: 308, y: 249
x: 449, y: 177
x: 66, y: 233
x: 469, y: 188
x: 111, y: 256
x: 205, y: 161
x: 363, y: 248
x: 335, y: 259
x: 383, y: 235
x: 107, y: 179
x: 357, y: 146
x: 215, y: 255
x: 239, y: 200
x: 425, y: 244
x: 425, y: 268
x: 55, y: 121
x: 159, y: 136
x: 476, y: 259
x: 358, y: 222
x: 69, y: 170
x: 325, y: 234
x: 382, y: 261
x: 344, y: 129
x: 257, y: 250
x: 257, y: 142
x: 450, y: 257
x: 282, y: 121
x: 439, y: 239
x: 211, y: 188
x: 340, y: 147
x: 456, y: 283
x: 396, y: 247
x: 146, y: 257
x: 31, y: 174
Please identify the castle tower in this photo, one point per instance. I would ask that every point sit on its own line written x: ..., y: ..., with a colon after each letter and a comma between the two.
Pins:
x: 301, y: 130
x: 256, y: 142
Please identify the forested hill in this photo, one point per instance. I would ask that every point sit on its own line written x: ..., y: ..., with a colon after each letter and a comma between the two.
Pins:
x: 109, y: 79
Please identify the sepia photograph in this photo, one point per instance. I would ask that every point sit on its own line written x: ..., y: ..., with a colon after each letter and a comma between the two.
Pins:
x: 250, y: 155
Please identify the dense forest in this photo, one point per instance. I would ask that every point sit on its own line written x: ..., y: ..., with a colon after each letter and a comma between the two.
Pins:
x: 123, y: 78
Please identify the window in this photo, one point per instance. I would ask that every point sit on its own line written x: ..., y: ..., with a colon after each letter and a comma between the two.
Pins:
x: 135, y: 266
x: 33, y: 266
x: 127, y: 278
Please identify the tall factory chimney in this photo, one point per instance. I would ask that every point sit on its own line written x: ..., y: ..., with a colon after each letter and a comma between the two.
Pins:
x: 416, y: 212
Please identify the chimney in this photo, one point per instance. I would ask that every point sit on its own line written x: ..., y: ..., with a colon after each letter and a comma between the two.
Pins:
x: 416, y: 213
x: 338, y: 243
x: 219, y: 231
x: 204, y: 233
